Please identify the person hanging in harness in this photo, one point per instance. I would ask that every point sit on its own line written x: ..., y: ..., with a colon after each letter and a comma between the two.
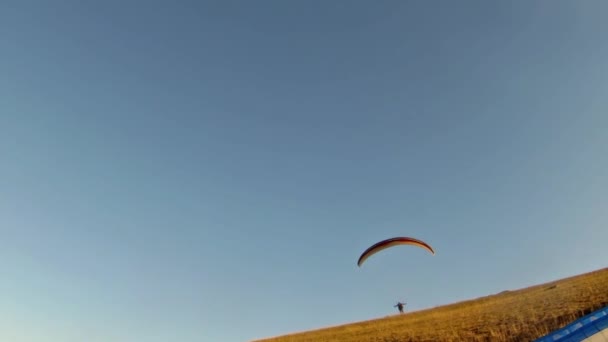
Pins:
x: 400, y: 306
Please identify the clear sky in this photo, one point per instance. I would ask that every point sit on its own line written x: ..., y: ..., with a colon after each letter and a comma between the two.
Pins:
x: 211, y: 171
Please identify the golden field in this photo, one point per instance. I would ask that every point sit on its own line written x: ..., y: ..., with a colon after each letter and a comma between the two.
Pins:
x: 520, y: 315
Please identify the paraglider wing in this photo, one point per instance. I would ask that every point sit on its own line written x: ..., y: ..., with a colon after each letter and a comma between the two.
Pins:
x: 384, y: 244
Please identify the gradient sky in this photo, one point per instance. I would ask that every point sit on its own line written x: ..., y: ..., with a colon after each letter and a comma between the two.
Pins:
x: 211, y: 171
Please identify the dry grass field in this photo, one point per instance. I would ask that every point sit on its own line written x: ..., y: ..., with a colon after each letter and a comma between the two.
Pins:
x: 521, y: 315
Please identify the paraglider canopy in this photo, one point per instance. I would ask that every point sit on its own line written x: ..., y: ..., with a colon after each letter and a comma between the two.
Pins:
x: 377, y: 247
x: 590, y: 328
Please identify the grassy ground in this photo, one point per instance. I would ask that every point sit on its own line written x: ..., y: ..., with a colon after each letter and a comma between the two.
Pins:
x: 520, y: 315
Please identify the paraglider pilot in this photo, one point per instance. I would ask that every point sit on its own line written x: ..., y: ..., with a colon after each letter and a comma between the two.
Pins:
x: 400, y: 306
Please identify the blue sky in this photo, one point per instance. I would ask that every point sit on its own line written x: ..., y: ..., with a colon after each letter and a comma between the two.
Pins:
x: 211, y: 171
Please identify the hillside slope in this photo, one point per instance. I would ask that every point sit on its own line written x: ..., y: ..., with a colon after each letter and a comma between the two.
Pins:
x: 520, y: 315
